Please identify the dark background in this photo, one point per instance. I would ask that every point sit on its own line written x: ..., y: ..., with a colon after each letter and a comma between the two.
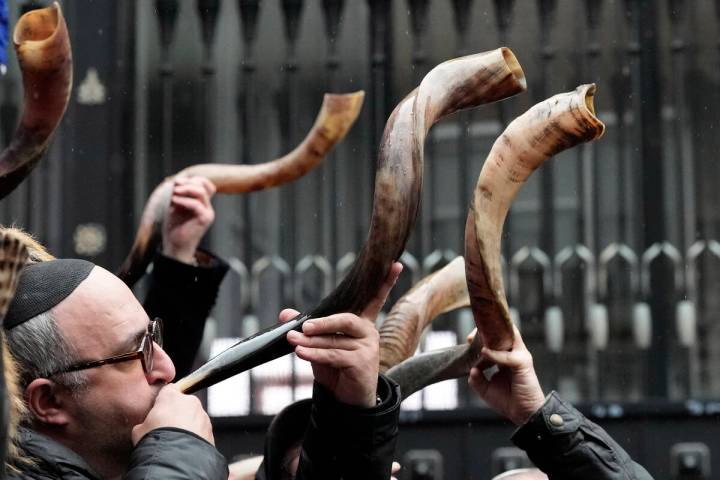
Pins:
x: 626, y: 225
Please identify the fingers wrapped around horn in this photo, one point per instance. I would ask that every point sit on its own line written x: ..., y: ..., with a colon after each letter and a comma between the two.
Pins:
x: 439, y: 292
x: 454, y: 85
x: 42, y: 44
x: 428, y: 368
x: 556, y: 124
x: 13, y: 255
x: 337, y: 114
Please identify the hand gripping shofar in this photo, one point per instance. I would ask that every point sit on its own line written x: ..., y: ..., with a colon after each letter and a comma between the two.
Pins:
x: 551, y: 126
x: 337, y: 114
x: 13, y: 255
x: 42, y: 45
x: 451, y: 86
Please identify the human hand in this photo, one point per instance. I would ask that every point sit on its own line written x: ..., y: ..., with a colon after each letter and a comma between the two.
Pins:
x: 344, y: 348
x: 188, y: 218
x: 514, y: 390
x: 175, y: 409
x: 395, y: 469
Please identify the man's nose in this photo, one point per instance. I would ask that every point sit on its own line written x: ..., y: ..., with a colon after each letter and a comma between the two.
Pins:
x: 163, y: 370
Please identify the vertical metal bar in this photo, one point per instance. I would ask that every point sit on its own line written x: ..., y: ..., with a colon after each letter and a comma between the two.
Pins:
x: 463, y: 10
x: 332, y: 10
x: 418, y: 25
x: 591, y: 161
x: 167, y: 12
x: 590, y: 195
x: 292, y: 12
x: 248, y: 11
x: 685, y: 171
x: 680, y: 122
x: 547, y: 10
x: 381, y: 61
x: 208, y: 11
x: 651, y: 172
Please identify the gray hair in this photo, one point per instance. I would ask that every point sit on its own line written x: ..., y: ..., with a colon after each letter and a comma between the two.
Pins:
x: 40, y: 349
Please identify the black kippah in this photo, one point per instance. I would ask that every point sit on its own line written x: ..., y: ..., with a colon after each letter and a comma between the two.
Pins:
x: 42, y: 286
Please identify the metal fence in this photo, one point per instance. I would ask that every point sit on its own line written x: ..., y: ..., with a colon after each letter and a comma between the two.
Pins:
x: 611, y: 250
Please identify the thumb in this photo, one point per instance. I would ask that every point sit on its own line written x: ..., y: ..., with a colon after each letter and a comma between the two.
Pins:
x: 287, y: 314
x: 373, y: 308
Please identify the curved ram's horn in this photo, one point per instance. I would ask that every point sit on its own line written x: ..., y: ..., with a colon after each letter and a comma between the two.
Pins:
x: 439, y: 292
x: 457, y: 84
x: 337, y: 115
x: 43, y: 51
x: 419, y: 371
x: 13, y: 255
x: 549, y: 127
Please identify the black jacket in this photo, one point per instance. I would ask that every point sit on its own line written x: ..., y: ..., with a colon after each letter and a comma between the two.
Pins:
x: 183, y: 295
x: 340, y: 441
x: 166, y: 453
x: 566, y: 445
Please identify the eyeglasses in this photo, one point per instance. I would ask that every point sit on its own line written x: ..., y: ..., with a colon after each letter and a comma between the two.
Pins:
x: 145, y: 353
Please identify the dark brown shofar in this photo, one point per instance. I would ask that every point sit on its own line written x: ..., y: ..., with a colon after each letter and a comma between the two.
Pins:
x: 337, y: 115
x: 556, y: 124
x: 13, y: 255
x: 42, y: 45
x: 451, y: 86
x: 438, y: 293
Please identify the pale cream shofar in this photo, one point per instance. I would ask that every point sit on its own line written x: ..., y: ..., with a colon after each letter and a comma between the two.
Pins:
x: 42, y: 45
x: 454, y: 85
x: 551, y: 126
x: 337, y: 115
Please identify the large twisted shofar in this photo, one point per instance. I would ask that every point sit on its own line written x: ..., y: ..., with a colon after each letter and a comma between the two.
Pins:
x: 42, y: 45
x: 558, y: 123
x: 337, y: 115
x: 454, y: 85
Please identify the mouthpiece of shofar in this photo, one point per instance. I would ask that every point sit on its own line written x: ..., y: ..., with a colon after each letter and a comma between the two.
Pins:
x: 556, y: 124
x: 337, y: 115
x: 13, y: 255
x: 43, y: 50
x: 438, y: 293
x: 451, y: 86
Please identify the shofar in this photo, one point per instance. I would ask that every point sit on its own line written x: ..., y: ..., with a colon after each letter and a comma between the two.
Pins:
x: 438, y: 293
x: 43, y: 50
x: 556, y: 124
x: 451, y: 86
x: 337, y: 114
x: 13, y: 255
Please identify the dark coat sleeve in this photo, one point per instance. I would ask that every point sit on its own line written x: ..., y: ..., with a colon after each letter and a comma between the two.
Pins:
x: 175, y: 454
x: 564, y: 444
x: 349, y: 442
x: 183, y: 295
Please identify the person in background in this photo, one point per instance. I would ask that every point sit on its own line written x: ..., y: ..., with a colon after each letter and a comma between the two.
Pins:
x: 185, y: 279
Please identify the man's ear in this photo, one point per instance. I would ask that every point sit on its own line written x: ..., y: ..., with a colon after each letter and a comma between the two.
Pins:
x: 46, y: 402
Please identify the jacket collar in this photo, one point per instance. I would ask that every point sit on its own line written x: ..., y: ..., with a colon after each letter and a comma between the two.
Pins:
x: 52, y: 457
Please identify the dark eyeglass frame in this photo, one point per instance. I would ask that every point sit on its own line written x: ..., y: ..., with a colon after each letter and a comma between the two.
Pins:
x: 145, y: 352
